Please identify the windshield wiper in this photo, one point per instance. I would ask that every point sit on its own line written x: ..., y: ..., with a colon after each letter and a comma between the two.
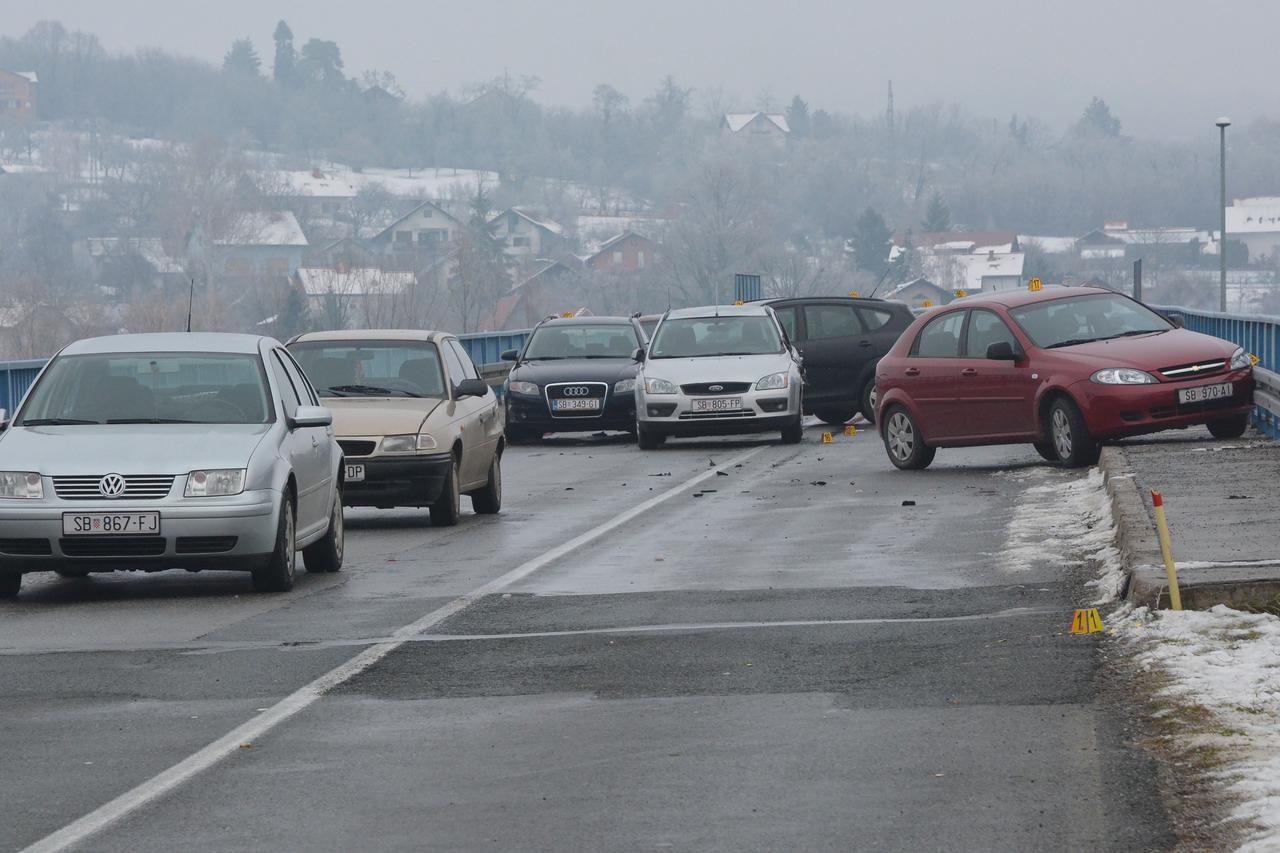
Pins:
x: 369, y: 391
x: 56, y: 422
x: 1133, y: 332
x: 1072, y: 342
x: 150, y: 421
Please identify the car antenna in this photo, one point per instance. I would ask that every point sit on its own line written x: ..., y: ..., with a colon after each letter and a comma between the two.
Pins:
x: 191, y: 301
x: 880, y: 282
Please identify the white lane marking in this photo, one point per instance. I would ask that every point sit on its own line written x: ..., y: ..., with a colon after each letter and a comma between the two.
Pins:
x: 159, y: 785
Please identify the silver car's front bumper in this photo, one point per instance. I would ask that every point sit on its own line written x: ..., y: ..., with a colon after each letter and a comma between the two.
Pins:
x: 674, y: 414
x: 237, y: 533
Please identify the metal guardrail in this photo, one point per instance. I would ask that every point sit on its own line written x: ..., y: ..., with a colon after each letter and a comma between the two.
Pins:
x: 15, y: 378
x: 1258, y: 334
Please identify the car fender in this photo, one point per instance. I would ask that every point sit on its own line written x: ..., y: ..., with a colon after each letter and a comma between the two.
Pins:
x: 896, y: 396
x: 1047, y: 390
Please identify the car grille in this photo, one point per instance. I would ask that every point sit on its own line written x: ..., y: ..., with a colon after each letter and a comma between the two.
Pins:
x: 1193, y: 370
x: 204, y: 544
x: 706, y: 388
x: 577, y: 391
x: 26, y: 547
x: 112, y: 546
x: 357, y: 448
x: 710, y: 416
x: 137, y: 487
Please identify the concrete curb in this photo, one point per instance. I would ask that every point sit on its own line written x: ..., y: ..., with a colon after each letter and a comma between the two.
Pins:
x: 1135, y: 535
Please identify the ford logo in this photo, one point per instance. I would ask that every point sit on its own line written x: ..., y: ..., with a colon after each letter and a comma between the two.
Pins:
x: 715, y: 387
x: 576, y: 391
x: 112, y: 486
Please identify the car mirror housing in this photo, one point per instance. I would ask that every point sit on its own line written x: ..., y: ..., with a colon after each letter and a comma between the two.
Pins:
x: 638, y: 355
x: 471, y: 388
x: 1002, y: 351
x: 509, y: 355
x: 311, y: 416
x: 1177, y: 321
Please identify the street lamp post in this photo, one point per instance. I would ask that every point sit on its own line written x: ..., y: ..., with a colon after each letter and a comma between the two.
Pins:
x: 1223, y: 124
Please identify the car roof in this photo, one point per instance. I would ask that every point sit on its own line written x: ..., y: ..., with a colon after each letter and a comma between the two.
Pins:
x: 1017, y: 298
x: 870, y: 301
x: 373, y: 335
x: 756, y: 310
x: 588, y: 321
x: 213, y: 342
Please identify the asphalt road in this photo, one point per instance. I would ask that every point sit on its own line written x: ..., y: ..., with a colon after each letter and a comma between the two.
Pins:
x: 780, y: 656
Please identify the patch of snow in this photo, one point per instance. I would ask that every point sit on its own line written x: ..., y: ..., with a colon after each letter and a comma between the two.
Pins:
x: 1049, y: 245
x: 264, y: 228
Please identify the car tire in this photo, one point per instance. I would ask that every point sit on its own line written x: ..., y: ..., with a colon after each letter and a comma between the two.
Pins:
x: 868, y: 400
x: 1073, y: 446
x: 1046, y: 450
x: 277, y: 575
x: 903, y: 443
x: 835, y: 417
x: 648, y: 439
x: 10, y: 583
x: 488, y: 500
x: 448, y: 507
x: 793, y: 433
x: 516, y: 435
x: 325, y: 554
x: 1233, y: 427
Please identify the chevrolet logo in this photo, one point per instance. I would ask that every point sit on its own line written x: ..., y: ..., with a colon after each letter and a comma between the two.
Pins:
x: 1195, y: 368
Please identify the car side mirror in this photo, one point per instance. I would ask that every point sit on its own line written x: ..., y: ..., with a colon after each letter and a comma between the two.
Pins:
x: 1177, y: 321
x: 509, y: 355
x: 638, y: 355
x: 1002, y: 351
x: 470, y: 388
x: 311, y: 416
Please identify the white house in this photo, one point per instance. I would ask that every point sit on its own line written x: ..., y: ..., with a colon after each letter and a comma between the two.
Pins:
x: 261, y: 243
x: 762, y: 126
x: 1256, y: 223
x: 428, y: 227
x: 524, y: 235
x: 974, y: 273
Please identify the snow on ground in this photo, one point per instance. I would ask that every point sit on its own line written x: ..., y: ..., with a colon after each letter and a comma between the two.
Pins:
x: 1227, y: 662
x: 332, y: 180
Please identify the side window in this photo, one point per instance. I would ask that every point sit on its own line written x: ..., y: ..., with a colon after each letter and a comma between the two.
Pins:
x: 940, y: 338
x: 787, y: 318
x: 468, y: 368
x: 288, y: 394
x: 985, y: 329
x: 452, y: 364
x: 306, y: 394
x: 830, y: 321
x: 875, y: 318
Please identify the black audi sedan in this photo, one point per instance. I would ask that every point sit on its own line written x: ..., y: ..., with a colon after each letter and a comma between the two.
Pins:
x: 574, y: 374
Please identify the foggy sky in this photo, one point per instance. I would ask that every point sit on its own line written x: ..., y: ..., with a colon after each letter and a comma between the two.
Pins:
x: 1166, y: 68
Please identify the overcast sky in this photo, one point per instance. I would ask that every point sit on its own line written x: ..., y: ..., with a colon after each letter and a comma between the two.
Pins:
x: 1167, y: 67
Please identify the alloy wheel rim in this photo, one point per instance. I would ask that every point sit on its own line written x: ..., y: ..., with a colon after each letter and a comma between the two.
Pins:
x: 901, y: 436
x: 290, y: 544
x: 1061, y: 433
x: 339, y: 529
x: 497, y: 477
x: 871, y: 398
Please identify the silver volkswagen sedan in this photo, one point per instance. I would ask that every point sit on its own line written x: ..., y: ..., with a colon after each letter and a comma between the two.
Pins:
x: 161, y: 451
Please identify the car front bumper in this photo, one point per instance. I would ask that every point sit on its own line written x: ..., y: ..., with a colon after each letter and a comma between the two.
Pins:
x: 391, y: 481
x: 762, y: 411
x: 237, y: 533
x: 532, y: 414
x: 1118, y: 411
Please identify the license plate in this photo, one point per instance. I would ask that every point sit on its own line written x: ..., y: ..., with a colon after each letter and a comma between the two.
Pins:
x: 719, y: 404
x: 110, y: 523
x: 355, y: 474
x: 583, y: 404
x: 1203, y: 393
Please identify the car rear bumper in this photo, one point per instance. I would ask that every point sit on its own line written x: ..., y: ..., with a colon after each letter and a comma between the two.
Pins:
x: 532, y: 414
x: 397, y: 481
x: 1117, y: 411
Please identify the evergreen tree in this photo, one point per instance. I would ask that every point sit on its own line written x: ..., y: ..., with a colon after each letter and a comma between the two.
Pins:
x: 242, y: 59
x: 1098, y: 121
x: 871, y: 241
x: 798, y: 117
x: 293, y: 317
x: 321, y: 62
x: 670, y: 103
x: 286, y: 58
x: 938, y: 217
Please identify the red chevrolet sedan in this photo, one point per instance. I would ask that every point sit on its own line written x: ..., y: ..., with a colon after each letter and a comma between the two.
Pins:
x: 1065, y: 368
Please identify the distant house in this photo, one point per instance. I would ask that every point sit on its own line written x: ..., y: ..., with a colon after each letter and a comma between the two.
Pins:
x: 960, y: 242
x: 526, y: 236
x: 124, y: 263
x: 627, y: 252
x: 917, y: 292
x: 264, y: 243
x: 18, y: 95
x: 553, y: 289
x: 974, y: 273
x: 425, y: 229
x: 1256, y: 223
x: 358, y: 298
x: 1099, y: 245
x: 757, y: 126
x: 346, y: 253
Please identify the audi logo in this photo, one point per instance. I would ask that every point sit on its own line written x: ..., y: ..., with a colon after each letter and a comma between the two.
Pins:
x: 576, y: 391
x: 715, y: 387
x: 112, y: 486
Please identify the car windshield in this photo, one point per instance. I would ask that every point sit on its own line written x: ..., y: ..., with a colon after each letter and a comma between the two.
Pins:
x: 1081, y: 319
x: 372, y: 368
x: 604, y: 340
x: 175, y: 387
x: 696, y: 337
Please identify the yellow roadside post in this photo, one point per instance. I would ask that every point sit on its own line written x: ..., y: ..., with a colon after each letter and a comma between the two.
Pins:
x: 1166, y: 550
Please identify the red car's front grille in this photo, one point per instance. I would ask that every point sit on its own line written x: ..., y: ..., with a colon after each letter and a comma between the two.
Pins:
x: 1193, y: 370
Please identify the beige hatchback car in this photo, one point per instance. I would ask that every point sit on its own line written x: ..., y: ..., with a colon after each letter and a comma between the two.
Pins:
x: 416, y: 423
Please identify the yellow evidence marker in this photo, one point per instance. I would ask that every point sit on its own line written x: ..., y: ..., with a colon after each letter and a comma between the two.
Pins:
x: 851, y: 430
x: 853, y: 293
x: 1086, y: 622
x: 1035, y: 285
x: 826, y: 438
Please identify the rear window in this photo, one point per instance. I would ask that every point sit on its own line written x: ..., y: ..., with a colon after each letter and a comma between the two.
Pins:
x: 875, y: 318
x: 563, y: 340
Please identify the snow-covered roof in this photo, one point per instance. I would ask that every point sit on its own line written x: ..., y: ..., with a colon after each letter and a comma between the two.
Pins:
x: 150, y: 249
x: 1253, y: 215
x: 547, y: 224
x: 264, y: 228
x: 1051, y: 245
x: 1160, y: 236
x: 737, y: 121
x: 29, y: 75
x: 954, y: 272
x: 393, y: 223
x: 362, y: 281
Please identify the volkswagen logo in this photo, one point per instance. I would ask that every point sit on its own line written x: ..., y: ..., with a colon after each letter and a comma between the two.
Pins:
x: 576, y: 391
x: 112, y: 486
x: 714, y: 388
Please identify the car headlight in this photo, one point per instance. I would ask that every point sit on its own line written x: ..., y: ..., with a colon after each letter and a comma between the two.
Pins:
x: 1240, y: 359
x: 219, y: 482
x: 659, y: 386
x: 21, y: 484
x: 518, y: 387
x: 1123, y: 376
x: 624, y: 386
x: 773, y: 382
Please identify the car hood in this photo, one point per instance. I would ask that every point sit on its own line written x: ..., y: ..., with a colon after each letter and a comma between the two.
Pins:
x: 726, y: 368
x: 1150, y: 352
x: 575, y: 370
x: 128, y: 448
x: 380, y: 415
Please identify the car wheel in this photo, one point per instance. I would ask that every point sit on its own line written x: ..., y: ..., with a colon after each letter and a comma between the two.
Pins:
x: 448, y: 507
x: 648, y: 439
x: 277, y: 574
x: 10, y: 583
x: 1046, y: 450
x: 1229, y: 427
x: 488, y: 501
x: 902, y: 441
x: 835, y: 417
x: 793, y: 433
x: 325, y: 554
x: 1072, y: 443
x: 869, y: 400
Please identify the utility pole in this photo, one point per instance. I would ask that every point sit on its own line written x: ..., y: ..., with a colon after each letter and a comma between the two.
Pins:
x: 1223, y: 124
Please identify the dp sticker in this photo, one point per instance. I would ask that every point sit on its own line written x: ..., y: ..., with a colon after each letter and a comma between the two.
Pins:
x: 826, y: 438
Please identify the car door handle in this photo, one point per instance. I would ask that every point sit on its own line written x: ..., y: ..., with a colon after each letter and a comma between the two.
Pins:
x: 912, y: 371
x: 315, y: 442
x: 864, y: 343
x: 969, y: 371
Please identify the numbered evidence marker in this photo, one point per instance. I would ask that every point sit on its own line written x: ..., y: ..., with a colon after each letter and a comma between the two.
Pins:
x: 1035, y: 285
x: 851, y: 430
x: 1086, y: 622
x: 961, y: 293
x: 853, y: 293
x: 826, y: 438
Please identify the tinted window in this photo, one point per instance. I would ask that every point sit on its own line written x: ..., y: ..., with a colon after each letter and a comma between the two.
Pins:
x: 830, y: 321
x: 560, y: 340
x: 1080, y: 319
x: 985, y: 329
x: 694, y: 337
x: 468, y: 368
x: 787, y: 319
x: 372, y: 368
x: 288, y: 394
x: 940, y: 338
x: 875, y: 318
